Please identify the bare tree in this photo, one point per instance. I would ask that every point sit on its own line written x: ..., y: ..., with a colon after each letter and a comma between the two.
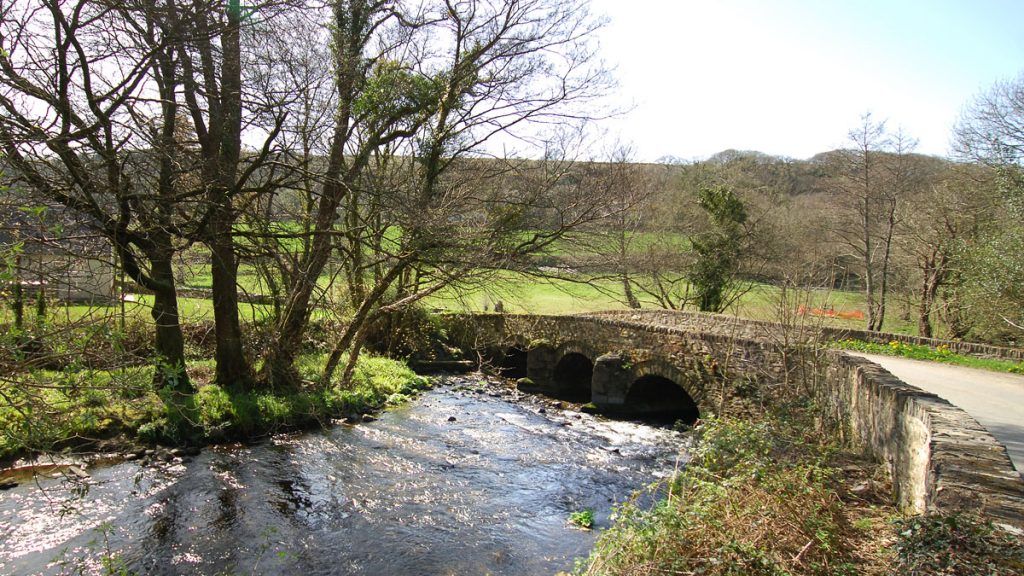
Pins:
x: 901, y: 178
x: 943, y: 218
x: 991, y: 129
x: 70, y: 74
x: 871, y: 178
x: 417, y: 92
x: 610, y: 255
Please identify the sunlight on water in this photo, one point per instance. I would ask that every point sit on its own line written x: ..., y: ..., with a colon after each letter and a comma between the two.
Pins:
x: 459, y: 481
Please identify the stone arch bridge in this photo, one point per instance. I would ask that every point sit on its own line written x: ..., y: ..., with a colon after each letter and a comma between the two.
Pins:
x: 626, y: 367
x: 686, y: 365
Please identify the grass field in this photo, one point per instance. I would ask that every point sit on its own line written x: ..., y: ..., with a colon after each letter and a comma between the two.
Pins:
x: 529, y: 294
x: 517, y: 293
x: 523, y: 294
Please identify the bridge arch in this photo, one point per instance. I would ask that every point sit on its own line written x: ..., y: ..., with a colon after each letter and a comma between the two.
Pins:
x: 660, y: 390
x: 511, y: 358
x: 573, y: 372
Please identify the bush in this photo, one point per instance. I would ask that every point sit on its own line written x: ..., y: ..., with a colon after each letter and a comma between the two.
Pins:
x: 753, y: 501
x: 401, y: 333
x: 215, y: 407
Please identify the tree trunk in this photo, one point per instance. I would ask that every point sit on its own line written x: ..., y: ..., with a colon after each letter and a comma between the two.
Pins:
x: 170, y: 342
x: 933, y: 271
x: 869, y: 268
x: 924, y: 312
x: 354, y: 273
x: 18, y: 295
x: 627, y: 289
x: 886, y: 258
x: 232, y: 366
x: 365, y: 314
x: 278, y: 367
x: 353, y: 358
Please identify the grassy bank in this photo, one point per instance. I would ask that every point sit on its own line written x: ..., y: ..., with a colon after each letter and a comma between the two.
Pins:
x: 939, y: 354
x: 767, y: 499
x: 81, y: 409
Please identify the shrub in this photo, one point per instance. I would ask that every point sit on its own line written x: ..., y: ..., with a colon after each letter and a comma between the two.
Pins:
x: 403, y: 332
x: 753, y: 501
x: 274, y: 411
x: 215, y: 407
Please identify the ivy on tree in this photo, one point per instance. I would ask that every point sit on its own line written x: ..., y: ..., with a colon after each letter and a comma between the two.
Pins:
x: 719, y: 249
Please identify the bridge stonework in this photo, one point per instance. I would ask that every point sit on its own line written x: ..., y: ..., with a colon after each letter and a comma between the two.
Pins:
x: 622, y: 352
x: 939, y: 457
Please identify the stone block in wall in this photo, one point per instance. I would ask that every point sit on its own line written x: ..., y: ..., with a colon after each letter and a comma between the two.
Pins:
x: 611, y: 380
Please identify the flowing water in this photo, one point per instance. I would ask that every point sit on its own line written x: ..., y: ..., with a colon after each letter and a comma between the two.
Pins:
x: 469, y: 478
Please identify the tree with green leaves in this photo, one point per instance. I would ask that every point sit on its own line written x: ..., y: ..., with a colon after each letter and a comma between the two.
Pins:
x: 991, y: 132
x: 719, y: 249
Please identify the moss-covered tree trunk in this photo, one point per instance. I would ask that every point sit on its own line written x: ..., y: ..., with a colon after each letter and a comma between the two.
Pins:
x: 170, y: 341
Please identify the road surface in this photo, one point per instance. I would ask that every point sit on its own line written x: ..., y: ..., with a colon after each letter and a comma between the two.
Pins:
x: 994, y: 399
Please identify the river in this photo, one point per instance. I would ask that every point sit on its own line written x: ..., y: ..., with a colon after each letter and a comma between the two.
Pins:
x: 468, y: 478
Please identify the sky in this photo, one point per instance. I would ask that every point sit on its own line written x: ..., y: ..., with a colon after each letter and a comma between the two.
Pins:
x: 792, y: 77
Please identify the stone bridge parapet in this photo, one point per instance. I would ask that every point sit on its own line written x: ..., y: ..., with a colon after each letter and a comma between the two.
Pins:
x: 940, y: 458
x: 805, y: 330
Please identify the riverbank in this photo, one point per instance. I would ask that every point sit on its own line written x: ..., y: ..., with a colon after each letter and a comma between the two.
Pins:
x: 773, y: 497
x: 470, y: 477
x: 77, y: 411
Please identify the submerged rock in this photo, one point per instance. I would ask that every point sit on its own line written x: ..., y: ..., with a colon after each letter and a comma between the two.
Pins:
x: 77, y: 471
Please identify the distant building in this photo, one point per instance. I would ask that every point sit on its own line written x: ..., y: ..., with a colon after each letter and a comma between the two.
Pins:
x: 46, y: 248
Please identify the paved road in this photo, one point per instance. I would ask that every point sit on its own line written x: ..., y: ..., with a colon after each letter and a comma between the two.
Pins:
x: 994, y: 399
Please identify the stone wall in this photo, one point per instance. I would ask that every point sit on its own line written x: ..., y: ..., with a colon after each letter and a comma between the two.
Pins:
x: 78, y: 279
x: 940, y: 458
x: 807, y: 331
